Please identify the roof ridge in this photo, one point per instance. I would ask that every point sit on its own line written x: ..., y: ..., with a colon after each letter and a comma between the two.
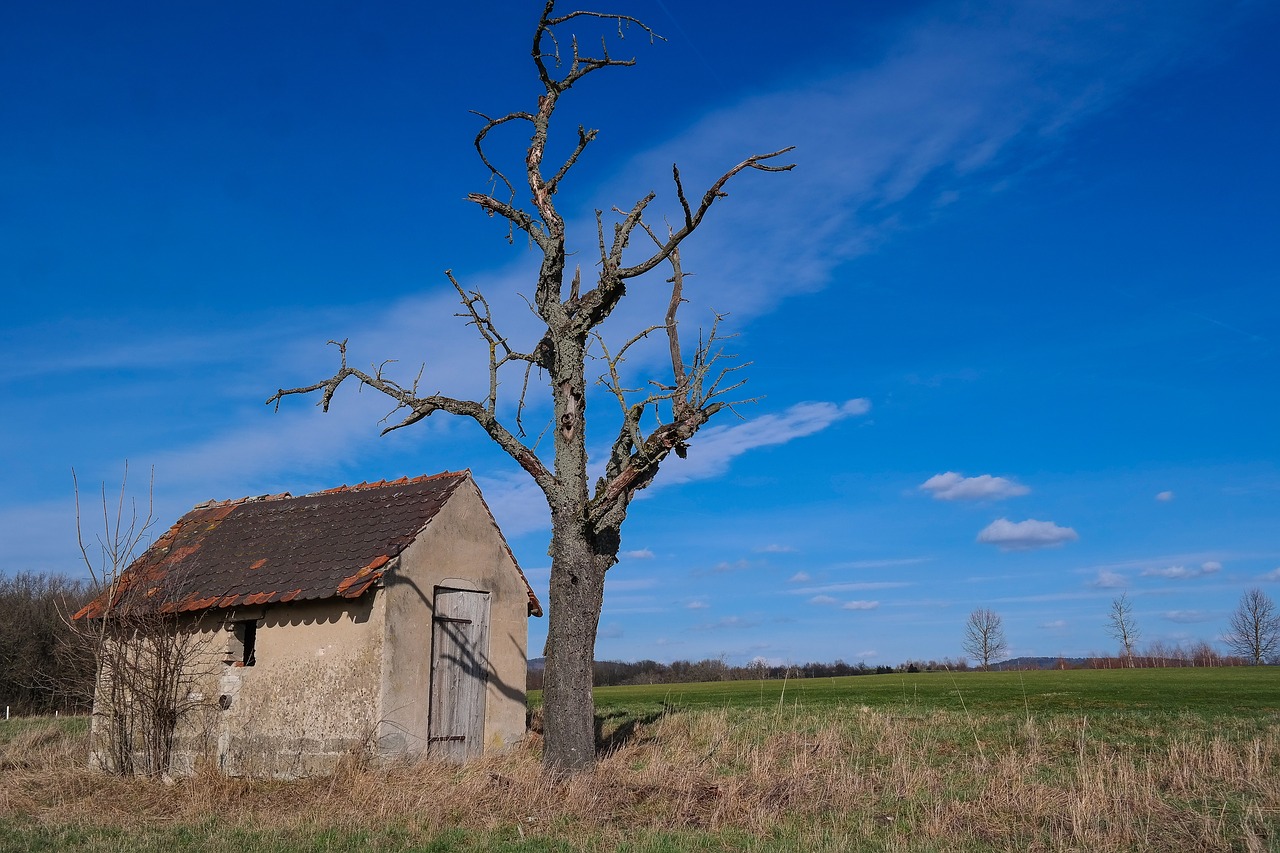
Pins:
x: 250, y: 499
x: 404, y: 480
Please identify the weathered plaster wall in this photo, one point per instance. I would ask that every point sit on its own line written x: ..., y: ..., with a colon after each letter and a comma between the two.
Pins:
x: 310, y: 698
x: 461, y: 548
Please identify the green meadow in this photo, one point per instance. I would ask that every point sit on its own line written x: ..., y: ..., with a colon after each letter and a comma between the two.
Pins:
x: 1079, y: 760
x: 1211, y: 692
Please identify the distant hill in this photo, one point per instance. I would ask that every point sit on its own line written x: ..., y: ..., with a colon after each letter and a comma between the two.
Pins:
x: 1039, y: 663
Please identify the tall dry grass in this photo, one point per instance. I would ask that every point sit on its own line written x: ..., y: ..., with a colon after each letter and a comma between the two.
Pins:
x: 855, y: 778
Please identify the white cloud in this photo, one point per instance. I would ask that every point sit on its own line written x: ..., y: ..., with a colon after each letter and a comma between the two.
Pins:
x: 1172, y: 572
x: 697, y: 605
x: 1055, y: 625
x: 823, y: 599
x: 1273, y: 575
x: 776, y: 549
x: 1025, y: 535
x: 799, y: 577
x: 1183, y: 572
x: 713, y: 449
x: 957, y: 487
x: 1164, y: 496
x: 1188, y: 616
x: 1108, y: 579
x: 860, y: 605
x: 639, y: 554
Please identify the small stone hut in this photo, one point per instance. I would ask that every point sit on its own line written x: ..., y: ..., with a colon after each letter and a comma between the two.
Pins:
x: 385, y: 618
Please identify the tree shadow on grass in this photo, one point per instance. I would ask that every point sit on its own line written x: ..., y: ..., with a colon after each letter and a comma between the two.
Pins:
x: 618, y: 727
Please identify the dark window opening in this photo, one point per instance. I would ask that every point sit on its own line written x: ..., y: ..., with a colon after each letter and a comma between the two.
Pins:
x: 245, y: 637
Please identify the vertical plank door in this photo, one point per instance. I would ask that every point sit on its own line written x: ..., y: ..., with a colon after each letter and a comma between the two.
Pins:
x: 459, y: 673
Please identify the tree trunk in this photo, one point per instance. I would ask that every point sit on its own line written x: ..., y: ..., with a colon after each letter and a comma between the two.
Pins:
x: 577, y: 594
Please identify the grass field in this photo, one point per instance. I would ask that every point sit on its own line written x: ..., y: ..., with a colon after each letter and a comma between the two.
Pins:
x: 1212, y: 692
x: 1107, y: 760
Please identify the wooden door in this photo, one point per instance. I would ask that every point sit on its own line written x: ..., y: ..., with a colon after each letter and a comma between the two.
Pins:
x: 459, y: 673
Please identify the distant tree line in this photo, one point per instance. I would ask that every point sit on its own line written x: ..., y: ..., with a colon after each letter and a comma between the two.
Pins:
x: 41, y: 669
x: 610, y: 673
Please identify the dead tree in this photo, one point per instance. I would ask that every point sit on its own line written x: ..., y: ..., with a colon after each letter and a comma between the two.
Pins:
x: 1122, y: 627
x: 657, y: 417
x: 1254, y: 628
x: 984, y: 636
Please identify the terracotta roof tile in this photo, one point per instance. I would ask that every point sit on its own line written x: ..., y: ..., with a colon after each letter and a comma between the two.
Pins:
x: 278, y: 548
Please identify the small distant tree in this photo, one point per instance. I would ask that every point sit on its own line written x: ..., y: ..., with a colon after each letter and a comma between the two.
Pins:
x: 1121, y: 626
x: 984, y: 636
x: 1254, y: 628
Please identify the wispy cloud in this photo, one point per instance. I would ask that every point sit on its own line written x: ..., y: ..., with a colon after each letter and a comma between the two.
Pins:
x: 1054, y: 625
x: 860, y: 605
x: 850, y: 587
x: 1164, y: 497
x: 639, y: 554
x: 731, y: 566
x: 729, y: 623
x: 985, y: 487
x: 963, y: 91
x: 1108, y: 579
x: 1184, y: 572
x: 1025, y: 535
x: 1188, y: 616
x: 799, y: 577
x: 776, y: 549
x: 713, y: 449
x: 882, y: 564
x: 824, y: 600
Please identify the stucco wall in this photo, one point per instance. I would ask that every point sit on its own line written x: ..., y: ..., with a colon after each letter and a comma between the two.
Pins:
x: 460, y: 549
x: 310, y: 698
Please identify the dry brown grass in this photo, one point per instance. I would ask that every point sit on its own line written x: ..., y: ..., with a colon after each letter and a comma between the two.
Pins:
x: 856, y: 778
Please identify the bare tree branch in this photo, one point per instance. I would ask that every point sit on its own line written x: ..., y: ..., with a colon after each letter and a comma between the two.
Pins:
x: 659, y: 414
x: 422, y: 407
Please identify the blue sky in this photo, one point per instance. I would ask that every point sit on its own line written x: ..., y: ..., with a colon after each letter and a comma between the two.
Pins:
x: 1010, y: 322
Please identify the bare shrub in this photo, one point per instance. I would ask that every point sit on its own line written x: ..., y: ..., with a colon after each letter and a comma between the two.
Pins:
x: 147, y: 655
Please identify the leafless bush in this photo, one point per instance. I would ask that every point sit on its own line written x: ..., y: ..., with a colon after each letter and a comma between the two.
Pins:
x: 149, y: 658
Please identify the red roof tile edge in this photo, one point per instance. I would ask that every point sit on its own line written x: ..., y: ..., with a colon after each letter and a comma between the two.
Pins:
x: 351, y: 587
